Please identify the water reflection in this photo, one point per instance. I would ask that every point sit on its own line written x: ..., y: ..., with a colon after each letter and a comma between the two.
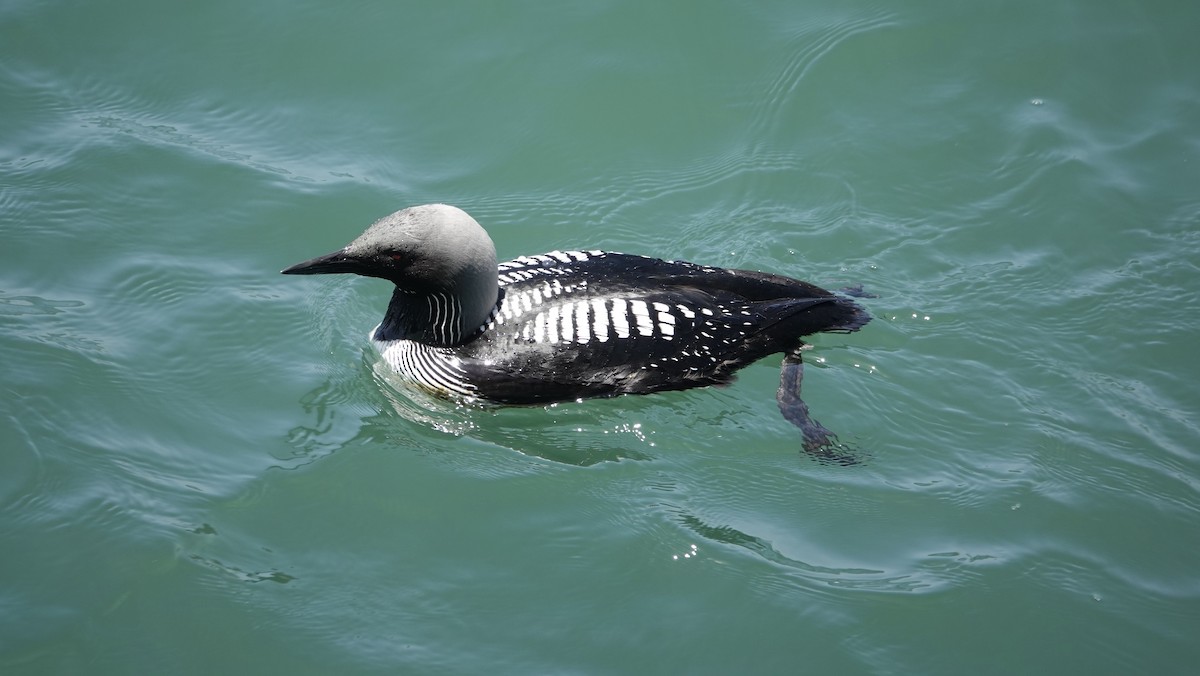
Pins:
x: 564, y: 433
x: 350, y: 409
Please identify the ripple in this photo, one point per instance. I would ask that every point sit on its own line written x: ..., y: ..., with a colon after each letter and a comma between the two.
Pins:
x: 87, y: 113
x: 34, y: 305
x: 810, y: 45
x: 848, y: 578
x: 240, y: 575
x: 24, y: 466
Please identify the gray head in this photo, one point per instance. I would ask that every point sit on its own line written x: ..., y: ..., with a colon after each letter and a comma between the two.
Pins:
x: 432, y: 250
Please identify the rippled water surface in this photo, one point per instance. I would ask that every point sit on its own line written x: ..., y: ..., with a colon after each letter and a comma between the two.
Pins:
x: 205, y: 471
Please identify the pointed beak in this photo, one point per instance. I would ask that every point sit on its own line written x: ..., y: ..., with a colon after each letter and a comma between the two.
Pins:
x: 331, y: 263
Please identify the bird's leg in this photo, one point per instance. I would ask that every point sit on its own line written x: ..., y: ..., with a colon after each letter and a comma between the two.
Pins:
x: 819, y: 442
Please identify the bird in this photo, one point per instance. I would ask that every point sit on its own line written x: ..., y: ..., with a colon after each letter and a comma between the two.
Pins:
x: 571, y: 325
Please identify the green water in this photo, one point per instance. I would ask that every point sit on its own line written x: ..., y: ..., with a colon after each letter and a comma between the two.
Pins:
x: 203, y: 471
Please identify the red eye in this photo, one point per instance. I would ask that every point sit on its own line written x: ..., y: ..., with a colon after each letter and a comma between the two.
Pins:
x: 396, y: 257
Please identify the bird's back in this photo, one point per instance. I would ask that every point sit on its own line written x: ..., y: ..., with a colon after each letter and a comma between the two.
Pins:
x: 583, y: 324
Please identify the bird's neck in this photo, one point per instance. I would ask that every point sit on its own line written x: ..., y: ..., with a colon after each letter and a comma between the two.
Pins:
x: 439, y: 318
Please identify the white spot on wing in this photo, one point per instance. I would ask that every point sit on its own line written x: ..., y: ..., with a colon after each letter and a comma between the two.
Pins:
x: 582, y: 332
x: 619, y: 321
x: 641, y: 313
x: 600, y: 320
x: 568, y: 332
x: 539, y: 327
x: 666, y: 320
x: 552, y: 325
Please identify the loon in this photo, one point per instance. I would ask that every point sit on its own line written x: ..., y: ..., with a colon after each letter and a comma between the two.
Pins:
x: 568, y: 325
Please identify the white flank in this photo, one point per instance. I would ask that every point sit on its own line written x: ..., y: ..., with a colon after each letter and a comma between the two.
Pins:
x: 429, y: 367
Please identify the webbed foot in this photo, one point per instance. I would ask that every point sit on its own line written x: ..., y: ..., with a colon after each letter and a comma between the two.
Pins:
x: 856, y: 291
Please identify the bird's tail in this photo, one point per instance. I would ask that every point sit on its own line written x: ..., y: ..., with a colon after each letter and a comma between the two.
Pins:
x: 799, y: 317
x: 846, y: 315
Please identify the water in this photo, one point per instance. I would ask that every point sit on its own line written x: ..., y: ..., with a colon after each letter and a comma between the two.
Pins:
x: 204, y: 471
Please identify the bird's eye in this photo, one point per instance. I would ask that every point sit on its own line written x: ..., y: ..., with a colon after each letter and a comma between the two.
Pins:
x: 396, y: 256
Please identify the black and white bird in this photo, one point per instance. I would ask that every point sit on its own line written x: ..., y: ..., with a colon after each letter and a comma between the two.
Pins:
x: 568, y: 325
